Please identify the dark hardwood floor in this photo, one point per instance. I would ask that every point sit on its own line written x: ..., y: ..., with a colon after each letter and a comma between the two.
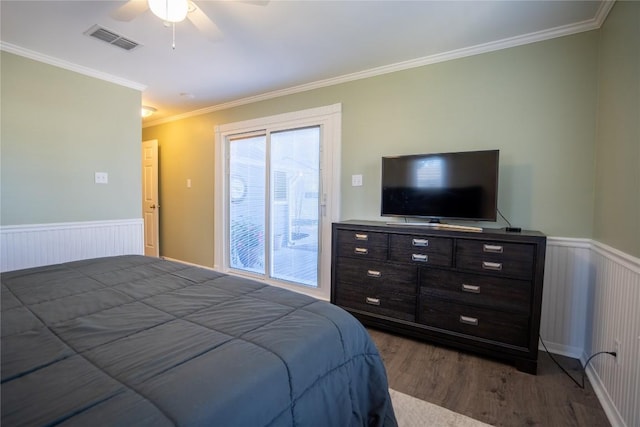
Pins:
x: 487, y: 390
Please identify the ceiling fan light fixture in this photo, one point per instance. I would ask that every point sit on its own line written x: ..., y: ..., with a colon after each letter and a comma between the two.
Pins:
x: 169, y: 10
x: 146, y: 111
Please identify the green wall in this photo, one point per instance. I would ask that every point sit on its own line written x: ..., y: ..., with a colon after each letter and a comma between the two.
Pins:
x: 59, y: 128
x: 536, y: 103
x: 617, y: 202
x: 565, y: 114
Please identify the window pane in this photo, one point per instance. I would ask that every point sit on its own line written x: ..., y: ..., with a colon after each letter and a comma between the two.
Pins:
x: 295, y: 171
x: 247, y: 208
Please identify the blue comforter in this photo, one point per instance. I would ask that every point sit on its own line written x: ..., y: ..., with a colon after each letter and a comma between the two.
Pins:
x: 139, y: 341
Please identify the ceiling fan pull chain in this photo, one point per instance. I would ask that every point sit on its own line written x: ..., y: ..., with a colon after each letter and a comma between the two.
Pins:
x: 173, y: 43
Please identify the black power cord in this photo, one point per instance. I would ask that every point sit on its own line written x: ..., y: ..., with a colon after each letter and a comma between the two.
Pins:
x: 583, y: 368
x: 503, y: 217
x: 509, y: 228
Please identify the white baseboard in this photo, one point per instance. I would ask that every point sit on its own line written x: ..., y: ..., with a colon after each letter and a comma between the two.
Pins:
x: 610, y: 409
x: 187, y: 263
x: 563, y: 350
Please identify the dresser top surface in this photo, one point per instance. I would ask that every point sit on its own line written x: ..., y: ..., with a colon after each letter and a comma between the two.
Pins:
x: 399, y: 227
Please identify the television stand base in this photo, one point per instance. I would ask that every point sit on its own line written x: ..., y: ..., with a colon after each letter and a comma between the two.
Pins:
x: 438, y: 226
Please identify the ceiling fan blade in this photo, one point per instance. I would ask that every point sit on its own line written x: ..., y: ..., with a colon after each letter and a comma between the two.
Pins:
x: 130, y: 10
x: 203, y: 23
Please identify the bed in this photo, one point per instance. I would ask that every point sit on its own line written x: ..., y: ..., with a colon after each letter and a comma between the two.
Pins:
x: 133, y: 340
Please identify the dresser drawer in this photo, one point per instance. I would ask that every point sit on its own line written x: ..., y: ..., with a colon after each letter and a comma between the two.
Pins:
x: 362, y: 237
x: 479, y: 322
x: 421, y: 249
x: 364, y: 273
x: 488, y: 291
x: 508, y: 259
x: 377, y: 300
x: 362, y: 251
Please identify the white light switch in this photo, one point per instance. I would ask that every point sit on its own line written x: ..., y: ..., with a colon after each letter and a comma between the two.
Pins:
x: 102, y: 178
x: 356, y: 180
x: 189, y: 183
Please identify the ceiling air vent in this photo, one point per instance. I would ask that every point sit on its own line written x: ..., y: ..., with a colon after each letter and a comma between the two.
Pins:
x: 111, y: 37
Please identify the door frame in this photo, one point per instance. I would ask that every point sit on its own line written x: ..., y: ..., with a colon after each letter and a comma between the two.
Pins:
x: 330, y: 120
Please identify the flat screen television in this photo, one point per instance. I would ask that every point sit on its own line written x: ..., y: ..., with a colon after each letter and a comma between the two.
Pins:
x: 460, y: 185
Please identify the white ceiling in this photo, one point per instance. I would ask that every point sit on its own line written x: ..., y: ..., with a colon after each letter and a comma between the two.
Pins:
x: 278, y: 46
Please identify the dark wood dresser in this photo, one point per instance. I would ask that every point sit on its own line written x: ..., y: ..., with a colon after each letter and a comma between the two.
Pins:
x: 475, y: 291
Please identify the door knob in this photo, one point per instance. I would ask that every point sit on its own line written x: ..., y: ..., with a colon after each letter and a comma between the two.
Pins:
x: 152, y: 206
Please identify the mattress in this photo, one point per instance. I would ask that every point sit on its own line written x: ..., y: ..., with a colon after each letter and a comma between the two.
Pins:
x: 133, y: 340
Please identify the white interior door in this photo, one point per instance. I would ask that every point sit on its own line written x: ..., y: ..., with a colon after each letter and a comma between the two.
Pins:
x: 150, y: 206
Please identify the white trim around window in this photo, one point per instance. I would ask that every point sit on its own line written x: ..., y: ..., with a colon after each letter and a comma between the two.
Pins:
x: 330, y: 119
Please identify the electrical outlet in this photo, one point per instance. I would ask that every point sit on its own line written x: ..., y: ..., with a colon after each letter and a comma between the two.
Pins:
x: 616, y: 348
x: 101, y: 178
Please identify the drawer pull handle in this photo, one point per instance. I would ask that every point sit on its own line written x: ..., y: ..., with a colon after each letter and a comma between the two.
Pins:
x: 373, y: 301
x: 361, y: 251
x: 494, y: 249
x: 420, y: 242
x: 374, y: 273
x: 360, y: 236
x: 473, y: 289
x: 496, y: 266
x: 473, y: 321
x: 419, y: 257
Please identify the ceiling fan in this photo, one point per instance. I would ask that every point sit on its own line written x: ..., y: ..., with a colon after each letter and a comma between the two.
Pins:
x: 172, y: 11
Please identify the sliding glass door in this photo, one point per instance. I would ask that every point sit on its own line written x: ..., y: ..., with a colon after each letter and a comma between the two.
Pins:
x: 247, y: 208
x: 274, y: 204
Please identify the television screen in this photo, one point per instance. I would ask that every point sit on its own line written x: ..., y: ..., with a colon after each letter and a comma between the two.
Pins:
x: 461, y: 185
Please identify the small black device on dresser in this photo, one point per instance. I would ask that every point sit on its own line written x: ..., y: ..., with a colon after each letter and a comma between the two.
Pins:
x: 475, y: 291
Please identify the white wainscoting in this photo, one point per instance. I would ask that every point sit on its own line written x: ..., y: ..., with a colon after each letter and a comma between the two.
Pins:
x: 591, y: 299
x: 33, y: 245
x: 615, y: 315
x: 565, y: 295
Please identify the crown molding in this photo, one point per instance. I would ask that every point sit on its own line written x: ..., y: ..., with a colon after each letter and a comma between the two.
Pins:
x: 588, y: 25
x: 17, y: 50
x: 603, y: 12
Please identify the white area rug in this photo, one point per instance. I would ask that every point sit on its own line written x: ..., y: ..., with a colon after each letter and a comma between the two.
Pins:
x: 412, y: 412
